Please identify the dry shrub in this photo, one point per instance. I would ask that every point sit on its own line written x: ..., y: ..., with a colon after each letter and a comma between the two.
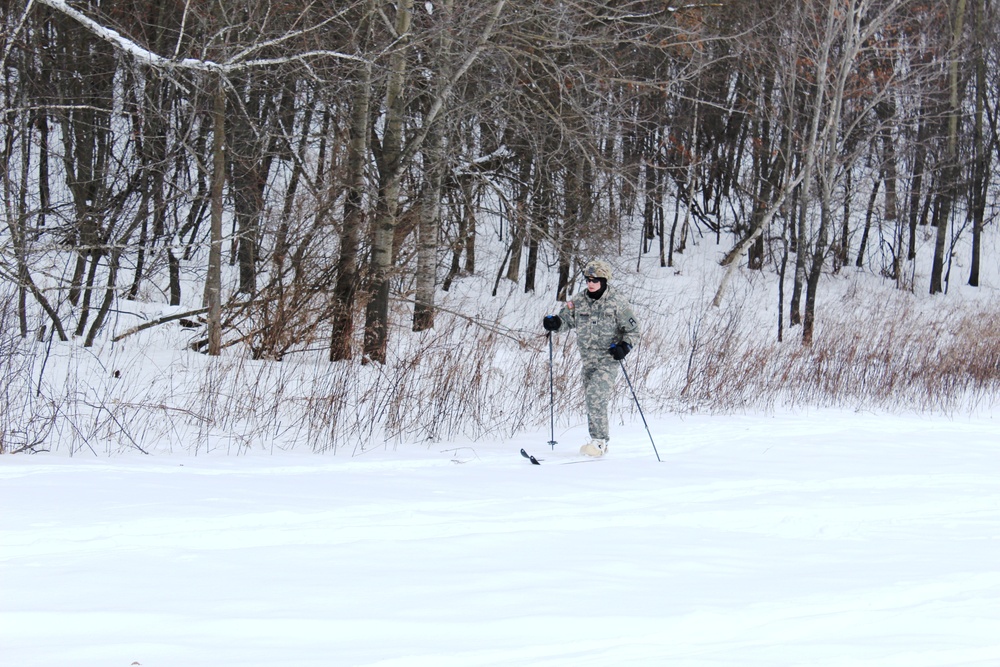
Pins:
x: 468, y: 380
x: 892, y: 356
x: 27, y: 417
x: 458, y: 381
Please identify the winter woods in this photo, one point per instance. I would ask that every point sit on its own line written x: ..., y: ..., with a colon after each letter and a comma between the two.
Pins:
x: 289, y: 170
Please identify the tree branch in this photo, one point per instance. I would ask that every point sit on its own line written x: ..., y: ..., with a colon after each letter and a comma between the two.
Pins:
x: 152, y: 59
x: 158, y: 321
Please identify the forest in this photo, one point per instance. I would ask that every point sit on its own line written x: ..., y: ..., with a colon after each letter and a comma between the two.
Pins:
x: 289, y: 174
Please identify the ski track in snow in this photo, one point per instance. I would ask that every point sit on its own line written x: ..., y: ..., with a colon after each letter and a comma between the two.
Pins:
x: 825, y: 539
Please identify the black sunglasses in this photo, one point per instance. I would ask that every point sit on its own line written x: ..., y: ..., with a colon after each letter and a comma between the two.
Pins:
x: 591, y: 279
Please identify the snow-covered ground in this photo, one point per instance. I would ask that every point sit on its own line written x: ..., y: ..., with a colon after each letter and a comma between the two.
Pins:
x: 822, y: 538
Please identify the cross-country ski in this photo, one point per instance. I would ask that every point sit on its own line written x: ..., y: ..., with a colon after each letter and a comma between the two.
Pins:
x: 537, y: 461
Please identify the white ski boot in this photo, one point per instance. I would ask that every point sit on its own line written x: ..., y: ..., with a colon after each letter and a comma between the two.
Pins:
x: 595, y: 448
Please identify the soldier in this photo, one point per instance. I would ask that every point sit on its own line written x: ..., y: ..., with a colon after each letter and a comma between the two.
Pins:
x: 606, y: 331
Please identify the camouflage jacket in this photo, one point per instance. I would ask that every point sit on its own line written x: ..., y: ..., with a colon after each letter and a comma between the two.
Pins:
x: 599, y: 323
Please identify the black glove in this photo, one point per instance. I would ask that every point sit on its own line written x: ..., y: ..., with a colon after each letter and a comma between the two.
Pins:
x: 552, y: 322
x: 619, y: 350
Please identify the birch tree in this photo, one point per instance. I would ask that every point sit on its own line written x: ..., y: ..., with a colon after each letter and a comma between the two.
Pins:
x: 394, y: 157
x: 949, y: 188
x: 840, y: 105
x: 346, y: 287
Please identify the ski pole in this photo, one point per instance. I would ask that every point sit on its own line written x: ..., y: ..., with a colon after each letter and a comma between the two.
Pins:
x: 636, y: 399
x: 552, y: 400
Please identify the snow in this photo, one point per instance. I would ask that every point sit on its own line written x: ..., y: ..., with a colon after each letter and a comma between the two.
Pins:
x: 766, y: 538
x: 811, y: 538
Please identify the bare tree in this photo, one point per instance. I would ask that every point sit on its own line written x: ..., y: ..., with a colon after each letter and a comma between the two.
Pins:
x: 575, y: 126
x: 980, y: 148
x: 394, y: 157
x: 949, y: 187
x: 346, y: 287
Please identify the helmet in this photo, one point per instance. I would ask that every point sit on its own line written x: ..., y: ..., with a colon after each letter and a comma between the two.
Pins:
x: 598, y: 269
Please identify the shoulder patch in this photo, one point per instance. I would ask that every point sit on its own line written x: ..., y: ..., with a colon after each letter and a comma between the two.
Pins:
x: 569, y: 305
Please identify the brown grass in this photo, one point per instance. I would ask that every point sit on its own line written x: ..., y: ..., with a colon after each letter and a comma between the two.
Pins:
x: 463, y: 381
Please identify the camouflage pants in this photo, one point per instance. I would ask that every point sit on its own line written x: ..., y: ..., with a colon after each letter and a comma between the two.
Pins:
x: 599, y: 375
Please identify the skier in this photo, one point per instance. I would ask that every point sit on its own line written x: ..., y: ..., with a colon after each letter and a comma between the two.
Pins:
x: 606, y: 331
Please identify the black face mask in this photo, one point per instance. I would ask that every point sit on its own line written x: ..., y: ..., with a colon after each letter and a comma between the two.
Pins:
x: 597, y: 294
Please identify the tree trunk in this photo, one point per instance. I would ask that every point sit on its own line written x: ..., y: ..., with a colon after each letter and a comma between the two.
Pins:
x: 174, y: 272
x: 377, y: 311
x: 109, y: 297
x: 430, y: 213
x: 980, y: 165
x: 863, y: 246
x: 815, y: 272
x: 537, y: 223
x: 799, y: 276
x: 251, y: 150
x: 95, y: 255
x: 519, y: 219
x: 951, y: 172
x: 815, y: 142
x: 843, y: 244
x: 345, y: 290
x: 886, y: 112
x: 213, y: 281
x: 916, y: 191
x: 649, y: 191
